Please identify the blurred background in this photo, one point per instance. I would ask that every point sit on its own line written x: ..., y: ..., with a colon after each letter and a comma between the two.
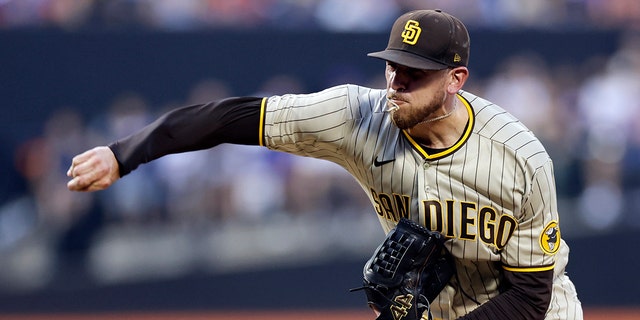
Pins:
x: 239, y: 227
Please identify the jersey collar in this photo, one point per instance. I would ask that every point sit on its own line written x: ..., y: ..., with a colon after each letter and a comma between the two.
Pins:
x: 456, y: 146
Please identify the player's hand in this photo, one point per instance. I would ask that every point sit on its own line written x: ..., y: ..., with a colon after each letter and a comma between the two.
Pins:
x: 93, y: 170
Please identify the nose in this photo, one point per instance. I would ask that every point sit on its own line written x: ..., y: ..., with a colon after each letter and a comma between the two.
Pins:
x: 396, y: 81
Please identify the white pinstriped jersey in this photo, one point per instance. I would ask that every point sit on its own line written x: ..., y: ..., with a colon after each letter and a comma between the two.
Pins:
x: 492, y: 194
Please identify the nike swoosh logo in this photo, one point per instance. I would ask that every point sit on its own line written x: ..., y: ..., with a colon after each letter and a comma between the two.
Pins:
x: 377, y: 163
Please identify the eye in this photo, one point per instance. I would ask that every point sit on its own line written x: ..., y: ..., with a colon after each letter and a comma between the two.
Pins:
x: 421, y: 73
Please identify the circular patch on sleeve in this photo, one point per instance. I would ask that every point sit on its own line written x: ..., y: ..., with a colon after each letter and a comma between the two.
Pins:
x: 550, y: 238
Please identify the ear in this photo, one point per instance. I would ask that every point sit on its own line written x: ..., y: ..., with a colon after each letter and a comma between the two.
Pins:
x: 457, y: 77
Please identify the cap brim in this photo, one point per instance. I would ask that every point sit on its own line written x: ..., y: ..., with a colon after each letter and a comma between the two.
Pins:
x: 408, y: 59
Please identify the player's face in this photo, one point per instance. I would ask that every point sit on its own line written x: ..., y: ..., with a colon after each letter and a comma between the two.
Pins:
x: 418, y: 94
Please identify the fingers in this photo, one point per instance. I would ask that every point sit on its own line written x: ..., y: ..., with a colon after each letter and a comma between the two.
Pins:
x: 93, y: 170
x: 83, y: 174
x: 81, y: 182
x: 78, y: 160
x: 75, y: 185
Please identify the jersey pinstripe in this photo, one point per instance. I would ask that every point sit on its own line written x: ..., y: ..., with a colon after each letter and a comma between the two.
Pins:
x: 492, y: 194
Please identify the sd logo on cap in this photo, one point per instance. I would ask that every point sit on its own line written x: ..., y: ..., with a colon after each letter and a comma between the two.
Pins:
x: 427, y: 39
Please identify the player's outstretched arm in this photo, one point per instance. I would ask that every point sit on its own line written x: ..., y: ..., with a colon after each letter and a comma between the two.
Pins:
x: 93, y: 170
x: 190, y: 128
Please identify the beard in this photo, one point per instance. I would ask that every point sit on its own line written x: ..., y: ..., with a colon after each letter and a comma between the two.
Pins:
x: 408, y: 117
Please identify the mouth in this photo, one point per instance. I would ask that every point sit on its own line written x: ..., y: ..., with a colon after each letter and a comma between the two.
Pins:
x: 396, y: 97
x: 393, y: 103
x: 392, y: 106
x: 396, y: 101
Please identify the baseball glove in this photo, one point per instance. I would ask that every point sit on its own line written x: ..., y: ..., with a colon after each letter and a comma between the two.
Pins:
x: 407, y: 272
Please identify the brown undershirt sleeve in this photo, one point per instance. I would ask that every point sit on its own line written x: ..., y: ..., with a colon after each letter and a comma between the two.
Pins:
x: 527, y: 297
x: 190, y: 128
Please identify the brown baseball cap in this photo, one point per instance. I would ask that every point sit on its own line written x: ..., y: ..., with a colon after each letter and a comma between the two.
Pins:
x: 427, y: 39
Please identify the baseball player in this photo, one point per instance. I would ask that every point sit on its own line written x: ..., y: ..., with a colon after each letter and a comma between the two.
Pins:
x: 421, y: 149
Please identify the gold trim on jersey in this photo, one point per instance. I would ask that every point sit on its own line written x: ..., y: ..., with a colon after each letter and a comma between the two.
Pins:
x: 263, y: 111
x: 453, y: 148
x: 529, y: 269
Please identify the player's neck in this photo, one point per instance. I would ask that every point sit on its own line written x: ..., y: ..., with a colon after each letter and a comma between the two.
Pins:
x: 442, y: 133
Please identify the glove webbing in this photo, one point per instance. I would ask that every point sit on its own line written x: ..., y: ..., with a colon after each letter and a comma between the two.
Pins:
x: 388, y: 260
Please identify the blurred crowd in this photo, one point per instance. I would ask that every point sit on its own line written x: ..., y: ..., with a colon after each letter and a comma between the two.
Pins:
x: 587, y: 115
x: 334, y: 15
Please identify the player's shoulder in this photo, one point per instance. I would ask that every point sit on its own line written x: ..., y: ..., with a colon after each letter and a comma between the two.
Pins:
x: 502, y: 128
x: 367, y: 99
x: 355, y: 95
x: 489, y: 114
x: 349, y: 94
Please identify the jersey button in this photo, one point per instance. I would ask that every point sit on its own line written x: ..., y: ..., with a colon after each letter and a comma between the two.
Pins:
x: 426, y: 165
